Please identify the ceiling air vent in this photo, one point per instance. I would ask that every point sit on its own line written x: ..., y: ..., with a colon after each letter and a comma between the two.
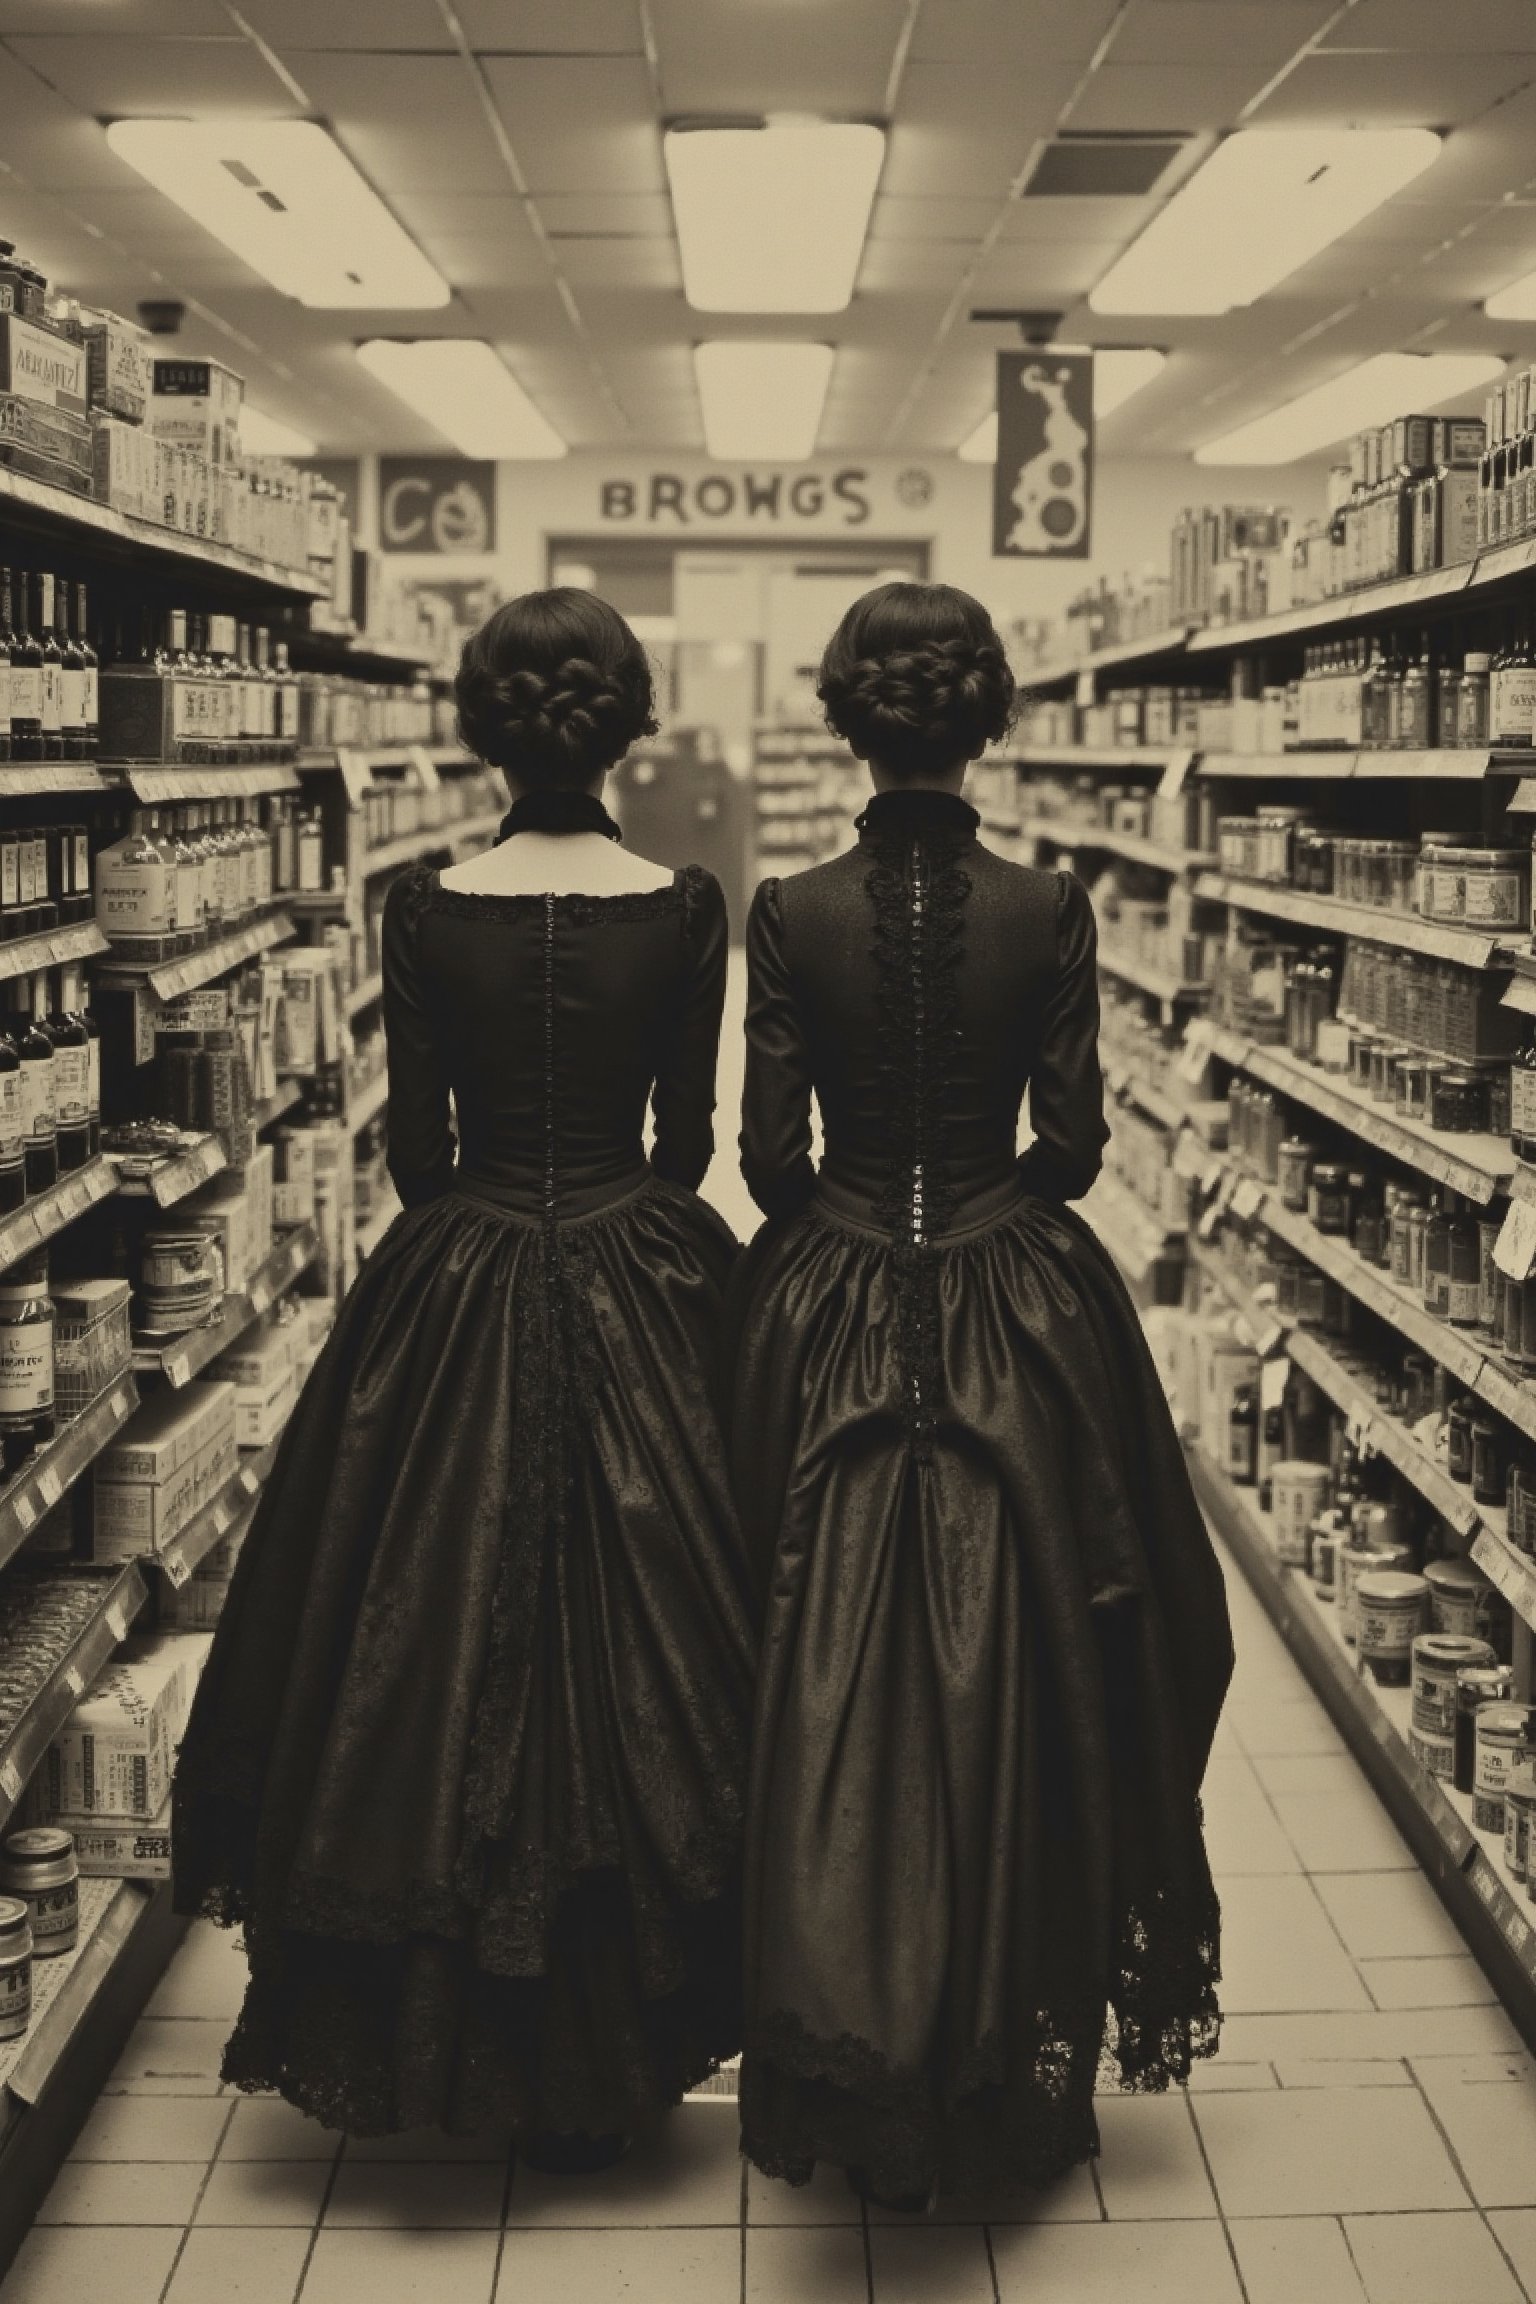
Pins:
x: 1101, y: 167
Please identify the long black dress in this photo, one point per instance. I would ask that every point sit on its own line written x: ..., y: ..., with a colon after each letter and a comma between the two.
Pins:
x: 996, y: 1641
x: 469, y: 1755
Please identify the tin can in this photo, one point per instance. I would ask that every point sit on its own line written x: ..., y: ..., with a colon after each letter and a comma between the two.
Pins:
x: 15, y: 1968
x: 179, y: 1277
x: 1500, y: 1741
x: 1324, y: 1561
x: 1438, y: 1658
x: 1477, y: 1685
x: 1357, y: 1560
x: 1519, y: 1802
x: 38, y: 1866
x: 1434, y: 1753
x: 1390, y: 1608
x: 1456, y: 1589
x: 1298, y: 1492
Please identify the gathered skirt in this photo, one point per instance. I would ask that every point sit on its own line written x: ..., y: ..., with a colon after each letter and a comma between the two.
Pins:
x: 995, y: 1649
x: 468, y: 1759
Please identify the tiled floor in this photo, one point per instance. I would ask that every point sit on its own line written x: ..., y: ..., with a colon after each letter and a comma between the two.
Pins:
x: 1368, y: 2135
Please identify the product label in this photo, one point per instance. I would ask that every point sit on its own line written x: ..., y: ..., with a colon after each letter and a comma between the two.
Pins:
x: 72, y: 696
x: 1494, y: 898
x: 1463, y: 1304
x: 12, y: 1119
x: 309, y: 864
x: 1512, y: 704
x: 82, y: 863
x: 133, y: 899
x: 26, y: 692
x: 1447, y: 893
x: 37, y: 1108
x: 93, y: 1074
x: 90, y: 707
x: 10, y: 874
x: 26, y: 1368
x: 72, y: 1085
x: 188, y: 893
x: 53, y: 683
x: 26, y: 871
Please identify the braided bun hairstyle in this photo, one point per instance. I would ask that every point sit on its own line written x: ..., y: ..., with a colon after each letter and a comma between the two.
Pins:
x: 554, y: 688
x: 915, y: 678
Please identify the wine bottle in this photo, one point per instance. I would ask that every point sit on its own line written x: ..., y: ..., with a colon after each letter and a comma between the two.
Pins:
x: 26, y: 677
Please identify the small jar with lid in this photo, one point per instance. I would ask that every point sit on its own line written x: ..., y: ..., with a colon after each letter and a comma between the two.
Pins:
x: 15, y: 1968
x: 1328, y: 1196
x: 1497, y: 887
x: 1296, y: 1158
x: 1459, y: 1106
x: 1447, y: 883
x: 38, y: 1865
x: 1472, y: 701
x: 1367, y: 1217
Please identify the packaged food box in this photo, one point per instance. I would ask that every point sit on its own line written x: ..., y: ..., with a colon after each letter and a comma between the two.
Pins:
x: 195, y: 405
x: 118, y: 366
x: 46, y: 443
x: 293, y: 1185
x: 38, y: 363
x: 122, y: 1848
x: 261, y: 1369
x: 173, y: 1457
x: 115, y: 1755
x: 258, y: 1173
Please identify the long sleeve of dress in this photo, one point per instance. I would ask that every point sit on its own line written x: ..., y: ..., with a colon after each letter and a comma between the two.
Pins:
x: 1066, y: 1086
x: 421, y: 1143
x: 683, y: 1099
x: 776, y: 1100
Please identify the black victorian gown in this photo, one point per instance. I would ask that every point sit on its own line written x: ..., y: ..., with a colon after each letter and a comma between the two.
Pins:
x: 468, y: 1759
x: 996, y: 1640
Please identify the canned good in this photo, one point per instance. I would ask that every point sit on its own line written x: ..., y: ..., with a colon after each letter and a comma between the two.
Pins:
x: 1328, y: 1197
x: 179, y: 1277
x: 1456, y: 1589
x: 1438, y: 1658
x: 1499, y: 1742
x: 1298, y: 1492
x: 38, y: 1866
x: 1459, y: 1104
x: 1390, y: 1607
x: 1434, y: 1753
x: 1519, y: 1803
x: 1324, y: 1563
x: 15, y: 1968
x: 1477, y: 1685
x: 1357, y: 1560
x: 1296, y: 1158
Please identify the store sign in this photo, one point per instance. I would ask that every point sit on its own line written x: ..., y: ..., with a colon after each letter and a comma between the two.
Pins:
x: 1042, y: 484
x: 771, y: 499
x: 441, y: 504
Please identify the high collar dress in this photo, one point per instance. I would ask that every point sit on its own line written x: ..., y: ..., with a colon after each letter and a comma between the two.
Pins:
x: 996, y: 1640
x: 468, y: 1759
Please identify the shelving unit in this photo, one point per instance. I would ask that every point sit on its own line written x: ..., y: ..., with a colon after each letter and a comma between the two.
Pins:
x: 83, y: 941
x: 186, y: 1551
x: 35, y: 1225
x: 171, y: 1179
x: 169, y: 979
x: 55, y: 1468
x: 1160, y: 982
x: 1098, y: 838
x: 368, y: 1103
x: 1404, y: 931
x: 122, y: 1595
x: 56, y: 517
x: 185, y: 1356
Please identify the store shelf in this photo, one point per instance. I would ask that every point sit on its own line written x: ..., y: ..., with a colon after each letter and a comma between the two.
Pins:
x: 41, y: 779
x: 169, y: 979
x: 1346, y: 608
x: 385, y: 858
x: 283, y: 1098
x: 1134, y: 1236
x: 1510, y: 1570
x: 65, y: 1987
x: 181, y: 1358
x: 157, y: 785
x: 1265, y: 1327
x: 84, y: 525
x: 1126, y: 1080
x: 186, y: 1551
x: 122, y: 1594
x: 370, y: 990
x: 1161, y: 982
x: 1086, y: 756
x: 1404, y: 931
x: 369, y: 1101
x: 1169, y: 642
x: 82, y: 941
x: 1382, y: 1432
x: 1453, y: 1348
x: 1450, y: 765
x: 1062, y: 833
x: 1465, y: 1865
x: 1479, y: 1166
x: 171, y: 1179
x: 51, y: 1211
x: 44, y: 1478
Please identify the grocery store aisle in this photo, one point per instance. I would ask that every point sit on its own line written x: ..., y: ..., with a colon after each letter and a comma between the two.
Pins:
x: 1368, y: 2135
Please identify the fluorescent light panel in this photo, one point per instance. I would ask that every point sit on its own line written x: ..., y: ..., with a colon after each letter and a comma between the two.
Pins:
x: 286, y: 199
x: 773, y: 219
x: 1265, y: 203
x: 263, y: 435
x: 1516, y: 302
x: 1392, y: 384
x: 1117, y: 374
x: 762, y: 400
x: 459, y: 385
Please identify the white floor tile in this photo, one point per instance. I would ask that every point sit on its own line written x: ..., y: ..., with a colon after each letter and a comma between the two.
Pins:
x: 1430, y: 2260
x: 446, y: 2195
x: 1280, y: 1951
x: 122, y: 2192
x: 177, y: 2054
x: 1293, y: 1726
x: 206, y: 1978
x: 1343, y: 2072
x: 404, y: 2268
x: 1390, y: 1916
x: 431, y: 2144
x: 157, y: 2128
x: 688, y: 2172
x: 930, y: 2264
x: 1515, y: 2231
x: 1343, y: 1832
x: 1151, y: 2164
x: 1400, y: 2032
x: 1327, y: 2152
x: 265, y: 2128
x: 1295, y: 2260
x: 257, y: 2192
x: 792, y: 2264
x: 239, y: 2268
x: 1492, y: 2132
x: 1448, y: 1980
x: 120, y: 2264
x: 1243, y: 1837
x: 1225, y: 2072
x: 655, y: 2267
x: 827, y: 2199
x: 1156, y: 2263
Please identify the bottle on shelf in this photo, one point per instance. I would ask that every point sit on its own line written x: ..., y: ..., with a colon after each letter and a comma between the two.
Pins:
x: 136, y: 897
x: 27, y: 1419
x: 71, y: 1075
x: 71, y: 675
x: 1522, y: 1100
x: 1416, y: 731
x: 13, y: 1128
x: 1512, y: 694
x: 310, y: 859
x: 5, y: 663
x: 35, y: 1049
x: 52, y: 665
x: 1242, y: 1436
x: 90, y: 715
x: 26, y: 676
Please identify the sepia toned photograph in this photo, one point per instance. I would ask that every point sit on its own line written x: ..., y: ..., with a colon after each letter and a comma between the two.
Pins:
x: 767, y: 1152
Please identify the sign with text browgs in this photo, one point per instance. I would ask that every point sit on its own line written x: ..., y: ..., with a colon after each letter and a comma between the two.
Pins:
x: 444, y: 505
x: 1042, y: 485
x: 693, y: 498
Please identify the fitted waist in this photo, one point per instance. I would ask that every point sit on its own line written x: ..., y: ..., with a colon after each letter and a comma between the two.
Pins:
x: 852, y: 1201
x: 524, y: 1196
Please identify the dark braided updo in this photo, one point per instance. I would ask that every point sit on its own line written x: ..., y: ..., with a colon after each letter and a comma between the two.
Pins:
x: 915, y: 678
x: 554, y: 688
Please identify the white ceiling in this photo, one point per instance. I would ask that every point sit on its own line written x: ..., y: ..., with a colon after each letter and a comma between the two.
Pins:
x: 520, y: 142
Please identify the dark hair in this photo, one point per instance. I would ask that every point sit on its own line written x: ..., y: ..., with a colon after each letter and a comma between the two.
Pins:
x: 916, y: 678
x: 554, y: 688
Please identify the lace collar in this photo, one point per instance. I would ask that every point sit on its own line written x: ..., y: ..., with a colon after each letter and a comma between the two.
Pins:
x: 909, y: 812
x: 555, y: 810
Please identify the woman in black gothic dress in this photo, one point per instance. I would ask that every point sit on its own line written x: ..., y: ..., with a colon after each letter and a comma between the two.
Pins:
x: 996, y: 1639
x: 467, y: 1761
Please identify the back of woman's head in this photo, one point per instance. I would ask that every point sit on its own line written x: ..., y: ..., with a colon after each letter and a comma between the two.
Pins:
x: 916, y: 678
x: 554, y: 688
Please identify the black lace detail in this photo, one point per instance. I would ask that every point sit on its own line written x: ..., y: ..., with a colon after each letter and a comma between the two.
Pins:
x: 415, y: 885
x: 918, y: 889
x: 551, y: 808
x: 585, y: 910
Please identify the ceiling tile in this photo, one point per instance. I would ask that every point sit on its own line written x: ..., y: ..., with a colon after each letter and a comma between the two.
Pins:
x: 1337, y: 89
x: 115, y: 77
x: 1195, y: 31
x: 965, y: 131
x: 580, y: 123
x: 473, y: 261
x: 412, y: 123
x: 464, y: 215
x: 552, y: 27
x: 1471, y: 27
x: 1006, y: 34
x: 50, y: 143
x: 1071, y: 219
x: 641, y: 215
x: 896, y: 218
x: 753, y: 56
x: 1032, y: 274
x: 144, y: 220
x: 912, y: 264
x: 369, y: 24
x: 619, y: 263
x: 190, y: 17
x: 1191, y: 97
